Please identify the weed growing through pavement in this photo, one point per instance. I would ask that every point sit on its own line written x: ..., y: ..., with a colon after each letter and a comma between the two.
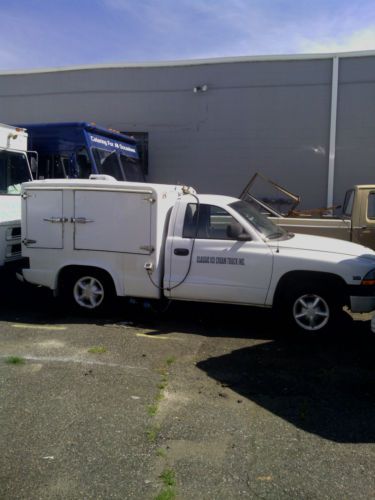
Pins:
x: 169, y: 482
x: 161, y: 452
x: 98, y: 349
x: 167, y: 476
x: 152, y: 409
x: 15, y: 360
x: 167, y: 494
x: 152, y: 434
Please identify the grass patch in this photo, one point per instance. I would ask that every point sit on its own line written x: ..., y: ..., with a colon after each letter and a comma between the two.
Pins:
x: 161, y: 452
x: 169, y: 482
x: 167, y: 494
x: 98, y: 349
x: 152, y: 434
x: 15, y: 360
x: 168, y: 477
x: 152, y: 409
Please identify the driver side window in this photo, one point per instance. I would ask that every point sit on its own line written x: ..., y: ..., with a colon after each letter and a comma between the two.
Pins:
x: 207, y: 222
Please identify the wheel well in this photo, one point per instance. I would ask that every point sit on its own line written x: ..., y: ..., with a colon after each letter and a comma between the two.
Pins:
x: 293, y: 278
x: 68, y: 271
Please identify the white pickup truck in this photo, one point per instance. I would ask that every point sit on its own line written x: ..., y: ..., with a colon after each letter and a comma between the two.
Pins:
x: 91, y: 239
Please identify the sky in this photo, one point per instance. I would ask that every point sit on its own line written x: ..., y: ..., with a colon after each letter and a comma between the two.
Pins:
x: 59, y: 33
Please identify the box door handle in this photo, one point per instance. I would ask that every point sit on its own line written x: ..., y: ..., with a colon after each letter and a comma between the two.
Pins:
x: 55, y: 220
x: 181, y: 251
x: 81, y: 220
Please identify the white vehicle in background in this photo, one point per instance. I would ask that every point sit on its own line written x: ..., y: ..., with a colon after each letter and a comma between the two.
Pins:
x: 92, y: 239
x: 14, y: 169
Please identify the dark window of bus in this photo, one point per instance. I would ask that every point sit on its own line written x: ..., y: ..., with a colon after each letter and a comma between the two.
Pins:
x: 58, y: 168
x: 52, y: 167
x: 132, y: 169
x: 108, y: 163
x: 83, y: 164
x: 141, y: 139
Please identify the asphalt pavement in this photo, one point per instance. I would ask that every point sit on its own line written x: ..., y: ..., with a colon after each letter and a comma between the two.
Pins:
x: 198, y: 401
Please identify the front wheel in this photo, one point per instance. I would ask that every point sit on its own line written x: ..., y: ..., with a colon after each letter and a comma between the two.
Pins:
x: 312, y: 310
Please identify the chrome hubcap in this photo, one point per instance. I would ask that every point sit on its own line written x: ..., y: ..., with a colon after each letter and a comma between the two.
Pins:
x: 88, y: 292
x: 311, y: 312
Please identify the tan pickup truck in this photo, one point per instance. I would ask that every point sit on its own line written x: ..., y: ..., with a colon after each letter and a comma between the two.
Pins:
x: 356, y: 221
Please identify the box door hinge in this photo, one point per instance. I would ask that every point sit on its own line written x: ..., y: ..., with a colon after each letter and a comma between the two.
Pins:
x: 148, y: 248
x: 150, y: 199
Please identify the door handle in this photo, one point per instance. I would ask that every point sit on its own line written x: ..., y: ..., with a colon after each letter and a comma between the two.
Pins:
x: 181, y: 251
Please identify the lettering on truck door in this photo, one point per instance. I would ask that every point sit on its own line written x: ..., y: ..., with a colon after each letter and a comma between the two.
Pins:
x: 221, y: 269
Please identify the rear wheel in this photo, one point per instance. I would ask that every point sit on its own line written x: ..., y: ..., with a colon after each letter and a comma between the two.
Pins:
x: 88, y: 290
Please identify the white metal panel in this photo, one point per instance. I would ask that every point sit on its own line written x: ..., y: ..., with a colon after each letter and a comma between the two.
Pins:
x: 43, y: 210
x: 10, y: 208
x: 112, y: 221
x: 13, y: 138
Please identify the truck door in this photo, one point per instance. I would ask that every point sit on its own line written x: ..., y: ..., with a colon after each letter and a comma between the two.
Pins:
x: 214, y: 267
x: 103, y: 221
x: 44, y: 219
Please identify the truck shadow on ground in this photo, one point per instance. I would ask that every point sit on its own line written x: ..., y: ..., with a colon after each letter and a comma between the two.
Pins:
x: 20, y: 302
x: 322, y: 386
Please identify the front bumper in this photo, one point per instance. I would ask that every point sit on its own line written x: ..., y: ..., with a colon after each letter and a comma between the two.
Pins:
x: 362, y: 298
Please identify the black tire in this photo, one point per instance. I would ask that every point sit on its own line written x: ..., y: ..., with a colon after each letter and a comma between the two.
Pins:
x: 312, y: 309
x: 88, y: 290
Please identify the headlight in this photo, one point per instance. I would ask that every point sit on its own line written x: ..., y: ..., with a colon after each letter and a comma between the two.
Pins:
x: 369, y: 279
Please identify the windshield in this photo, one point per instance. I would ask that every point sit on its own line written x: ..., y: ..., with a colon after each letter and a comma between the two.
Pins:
x: 258, y: 220
x: 107, y: 163
x: 132, y: 169
x: 14, y: 170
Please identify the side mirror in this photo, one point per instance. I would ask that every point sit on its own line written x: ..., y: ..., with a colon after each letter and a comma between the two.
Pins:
x: 236, y: 232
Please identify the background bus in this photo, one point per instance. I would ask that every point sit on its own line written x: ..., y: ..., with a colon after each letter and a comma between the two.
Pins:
x: 78, y: 149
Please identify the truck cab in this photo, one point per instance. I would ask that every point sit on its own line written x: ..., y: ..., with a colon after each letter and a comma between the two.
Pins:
x: 78, y: 149
x: 14, y: 170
